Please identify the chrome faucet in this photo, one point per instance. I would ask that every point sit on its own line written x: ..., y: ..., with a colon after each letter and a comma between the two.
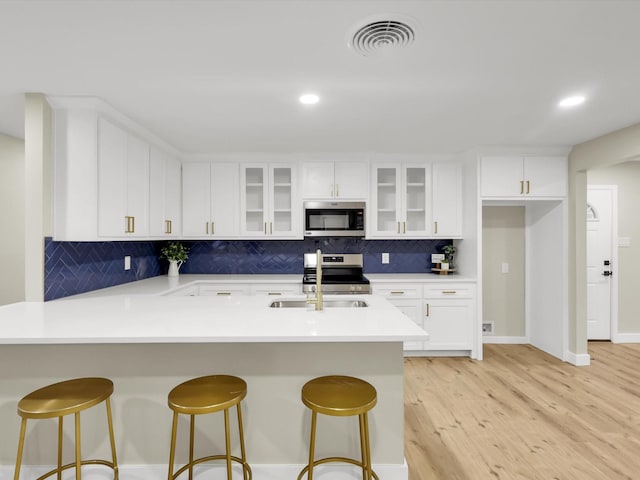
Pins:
x: 318, y: 300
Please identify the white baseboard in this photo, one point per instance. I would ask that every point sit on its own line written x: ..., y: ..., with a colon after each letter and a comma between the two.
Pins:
x: 216, y: 472
x: 577, y: 359
x: 505, y: 339
x: 437, y: 353
x: 626, y: 338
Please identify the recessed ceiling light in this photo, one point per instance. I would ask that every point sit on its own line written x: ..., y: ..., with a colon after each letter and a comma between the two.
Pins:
x: 572, y: 101
x: 309, y: 99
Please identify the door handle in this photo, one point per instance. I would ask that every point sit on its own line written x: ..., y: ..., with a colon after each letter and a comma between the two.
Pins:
x: 607, y: 273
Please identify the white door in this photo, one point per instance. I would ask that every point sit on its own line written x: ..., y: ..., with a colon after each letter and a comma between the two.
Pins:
x: 600, y: 203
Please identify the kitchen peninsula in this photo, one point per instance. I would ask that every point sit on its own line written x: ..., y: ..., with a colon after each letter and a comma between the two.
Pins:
x: 147, y: 343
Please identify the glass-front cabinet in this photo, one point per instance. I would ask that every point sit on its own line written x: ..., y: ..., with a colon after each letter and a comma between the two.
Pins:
x: 401, y: 201
x: 269, y: 204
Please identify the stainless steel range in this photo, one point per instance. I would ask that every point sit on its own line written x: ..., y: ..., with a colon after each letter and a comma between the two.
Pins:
x: 341, y: 273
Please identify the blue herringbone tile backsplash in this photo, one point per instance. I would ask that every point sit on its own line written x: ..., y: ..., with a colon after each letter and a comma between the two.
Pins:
x: 77, y: 267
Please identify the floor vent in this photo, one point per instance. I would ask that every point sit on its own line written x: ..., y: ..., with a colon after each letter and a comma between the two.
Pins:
x: 487, y: 328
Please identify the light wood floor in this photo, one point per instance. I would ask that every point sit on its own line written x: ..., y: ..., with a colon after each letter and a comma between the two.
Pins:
x: 522, y: 414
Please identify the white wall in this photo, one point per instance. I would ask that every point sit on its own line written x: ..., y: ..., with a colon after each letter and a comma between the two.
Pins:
x: 11, y: 219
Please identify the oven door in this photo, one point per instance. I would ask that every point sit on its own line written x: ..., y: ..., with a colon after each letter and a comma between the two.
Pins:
x: 334, y: 219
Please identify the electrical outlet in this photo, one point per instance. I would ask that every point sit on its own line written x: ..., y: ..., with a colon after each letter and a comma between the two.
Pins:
x: 127, y: 262
x: 385, y: 258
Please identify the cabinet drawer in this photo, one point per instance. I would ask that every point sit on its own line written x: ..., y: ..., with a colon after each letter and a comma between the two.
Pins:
x: 222, y: 290
x: 398, y: 290
x: 454, y: 290
x: 276, y: 289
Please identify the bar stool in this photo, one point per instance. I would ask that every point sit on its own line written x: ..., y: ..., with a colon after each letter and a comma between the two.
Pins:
x: 208, y: 395
x: 61, y: 399
x: 340, y: 396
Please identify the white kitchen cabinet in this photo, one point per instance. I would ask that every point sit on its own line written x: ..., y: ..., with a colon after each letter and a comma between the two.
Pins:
x: 269, y: 205
x: 408, y: 299
x: 400, y: 204
x: 123, y: 183
x: 344, y: 180
x: 210, y: 200
x: 447, y: 200
x: 523, y: 176
x: 276, y: 289
x: 221, y: 290
x: 165, y: 216
x: 449, y: 314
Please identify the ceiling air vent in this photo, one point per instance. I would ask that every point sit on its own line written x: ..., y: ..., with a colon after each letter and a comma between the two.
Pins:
x: 381, y: 34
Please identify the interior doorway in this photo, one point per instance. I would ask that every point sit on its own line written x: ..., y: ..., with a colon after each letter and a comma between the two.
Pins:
x: 601, y: 260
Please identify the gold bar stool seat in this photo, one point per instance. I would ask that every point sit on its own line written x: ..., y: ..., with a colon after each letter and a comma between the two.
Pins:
x: 340, y: 396
x: 208, y: 395
x: 66, y: 398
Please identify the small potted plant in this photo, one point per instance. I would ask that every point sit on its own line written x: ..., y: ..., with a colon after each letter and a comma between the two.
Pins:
x: 177, y: 254
x: 449, y: 251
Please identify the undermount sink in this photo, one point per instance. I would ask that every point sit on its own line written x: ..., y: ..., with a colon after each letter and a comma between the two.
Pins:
x: 327, y: 303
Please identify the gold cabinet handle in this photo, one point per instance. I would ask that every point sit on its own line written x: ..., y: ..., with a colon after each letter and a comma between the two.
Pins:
x: 206, y: 227
x: 167, y: 226
x: 398, y: 227
x: 337, y: 190
x: 521, y: 187
x: 130, y: 224
x: 213, y: 228
x: 397, y: 292
x: 528, y: 187
x: 270, y: 228
x: 265, y: 228
x: 404, y: 227
x: 223, y: 294
x: 427, y: 313
x: 435, y: 227
x: 449, y: 292
x: 274, y: 293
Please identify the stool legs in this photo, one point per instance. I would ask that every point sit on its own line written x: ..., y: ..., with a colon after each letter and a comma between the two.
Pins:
x: 228, y: 457
x: 78, y: 457
x: 365, y: 446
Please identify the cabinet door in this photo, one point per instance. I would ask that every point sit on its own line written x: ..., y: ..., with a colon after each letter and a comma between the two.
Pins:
x: 112, y: 158
x: 413, y: 310
x: 254, y: 201
x: 502, y: 176
x: 385, y: 217
x: 196, y: 199
x: 164, y: 195
x: 447, y: 200
x: 351, y: 180
x: 449, y: 324
x: 225, y: 200
x: 137, y: 181
x: 317, y: 180
x: 416, y: 201
x: 283, y: 222
x: 545, y: 176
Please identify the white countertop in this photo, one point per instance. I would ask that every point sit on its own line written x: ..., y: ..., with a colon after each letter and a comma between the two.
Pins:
x: 233, y: 319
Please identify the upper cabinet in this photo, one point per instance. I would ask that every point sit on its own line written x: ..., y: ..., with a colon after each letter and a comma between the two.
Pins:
x: 210, y: 200
x: 110, y: 184
x: 269, y: 204
x: 123, y: 183
x: 523, y: 176
x: 415, y: 201
x: 345, y: 180
x: 164, y: 195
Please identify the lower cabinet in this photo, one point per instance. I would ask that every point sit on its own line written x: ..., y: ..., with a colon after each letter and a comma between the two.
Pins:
x: 446, y: 311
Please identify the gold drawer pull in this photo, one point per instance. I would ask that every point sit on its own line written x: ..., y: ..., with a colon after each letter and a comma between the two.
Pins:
x: 449, y: 292
x: 397, y: 292
x: 427, y: 313
x: 223, y: 293
x: 274, y: 293
x: 167, y: 226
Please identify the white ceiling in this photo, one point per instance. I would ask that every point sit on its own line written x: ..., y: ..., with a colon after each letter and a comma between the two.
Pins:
x: 224, y: 76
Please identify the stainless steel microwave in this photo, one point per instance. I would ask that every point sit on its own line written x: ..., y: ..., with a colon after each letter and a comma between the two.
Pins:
x: 334, y: 219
